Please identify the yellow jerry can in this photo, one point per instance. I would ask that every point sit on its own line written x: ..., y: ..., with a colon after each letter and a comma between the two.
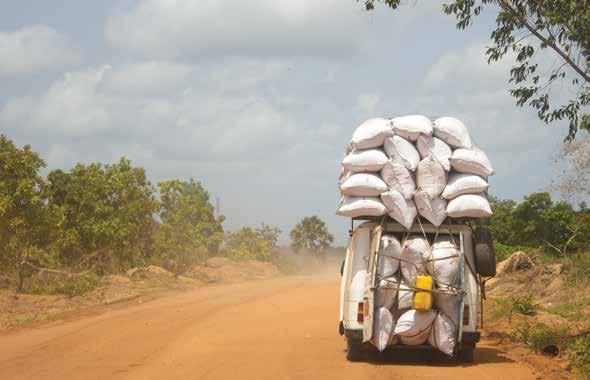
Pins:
x: 423, y: 299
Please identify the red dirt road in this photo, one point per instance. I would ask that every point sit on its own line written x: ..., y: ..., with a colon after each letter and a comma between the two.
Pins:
x: 283, y: 328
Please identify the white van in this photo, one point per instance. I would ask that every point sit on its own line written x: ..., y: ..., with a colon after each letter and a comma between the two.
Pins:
x: 359, y: 281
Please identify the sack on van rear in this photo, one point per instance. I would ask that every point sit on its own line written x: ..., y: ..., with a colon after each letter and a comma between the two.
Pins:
x: 371, y: 133
x: 389, y: 256
x: 469, y: 206
x: 414, y: 323
x: 353, y: 207
x: 411, y: 126
x: 404, y: 296
x: 435, y: 147
x: 460, y: 183
x: 443, y: 263
x: 400, y: 149
x: 368, y: 160
x: 443, y: 334
x: 386, y: 293
x: 447, y: 301
x: 472, y: 161
x: 363, y: 185
x: 400, y: 209
x: 415, y: 251
x: 453, y: 132
x: 382, y: 328
x: 434, y: 210
x: 431, y: 177
x: 399, y: 178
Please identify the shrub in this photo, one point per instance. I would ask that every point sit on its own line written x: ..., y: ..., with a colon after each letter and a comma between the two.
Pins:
x: 579, y: 355
x: 69, y: 286
x: 524, y: 305
x: 252, y: 244
x: 503, y: 251
x: 537, y: 336
x: 577, y: 269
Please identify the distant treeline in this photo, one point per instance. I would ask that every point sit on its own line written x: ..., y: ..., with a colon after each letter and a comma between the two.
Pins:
x: 106, y: 218
x: 540, y: 222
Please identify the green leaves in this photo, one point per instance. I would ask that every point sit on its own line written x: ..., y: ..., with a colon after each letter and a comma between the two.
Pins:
x: 528, y: 32
x: 252, y: 244
x: 311, y: 234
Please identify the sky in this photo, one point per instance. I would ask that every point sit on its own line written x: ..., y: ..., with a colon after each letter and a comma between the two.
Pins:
x: 256, y: 100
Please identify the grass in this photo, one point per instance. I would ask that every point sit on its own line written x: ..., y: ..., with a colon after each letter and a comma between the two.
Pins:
x: 503, y: 251
x: 569, y: 311
x: 577, y: 269
x: 499, y: 308
x: 71, y: 287
x: 579, y: 356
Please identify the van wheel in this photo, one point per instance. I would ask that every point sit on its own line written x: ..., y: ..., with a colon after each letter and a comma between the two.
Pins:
x: 354, y: 350
x: 466, y: 355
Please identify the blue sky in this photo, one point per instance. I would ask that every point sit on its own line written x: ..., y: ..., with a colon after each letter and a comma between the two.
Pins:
x: 254, y: 99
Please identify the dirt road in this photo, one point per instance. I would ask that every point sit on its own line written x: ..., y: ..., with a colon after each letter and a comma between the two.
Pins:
x: 274, y: 329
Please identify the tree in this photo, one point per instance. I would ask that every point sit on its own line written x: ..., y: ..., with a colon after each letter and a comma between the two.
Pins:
x: 525, y: 30
x: 189, y: 231
x: 311, y: 234
x: 573, y: 183
x: 252, y: 244
x: 107, y: 213
x: 24, y: 214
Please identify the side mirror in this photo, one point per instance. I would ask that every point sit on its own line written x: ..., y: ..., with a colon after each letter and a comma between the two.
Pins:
x: 485, y: 257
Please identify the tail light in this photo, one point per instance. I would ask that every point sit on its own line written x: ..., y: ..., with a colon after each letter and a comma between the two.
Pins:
x: 466, y: 315
x: 360, y: 314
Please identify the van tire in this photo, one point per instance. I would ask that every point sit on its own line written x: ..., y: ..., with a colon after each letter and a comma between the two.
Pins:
x: 467, y: 355
x: 354, y: 350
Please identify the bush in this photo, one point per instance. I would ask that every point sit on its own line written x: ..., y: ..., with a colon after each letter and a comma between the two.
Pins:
x: 537, y: 336
x: 524, y: 305
x: 579, y: 355
x: 577, y: 269
x: 69, y: 286
x: 252, y: 244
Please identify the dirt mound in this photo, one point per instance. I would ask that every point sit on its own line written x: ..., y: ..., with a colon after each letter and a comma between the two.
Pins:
x: 517, y: 262
x: 223, y: 270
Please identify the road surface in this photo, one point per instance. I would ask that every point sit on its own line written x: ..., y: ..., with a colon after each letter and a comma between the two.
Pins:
x: 283, y: 328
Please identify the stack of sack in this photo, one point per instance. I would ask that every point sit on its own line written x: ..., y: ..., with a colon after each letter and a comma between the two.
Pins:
x: 409, y: 165
x: 396, y: 318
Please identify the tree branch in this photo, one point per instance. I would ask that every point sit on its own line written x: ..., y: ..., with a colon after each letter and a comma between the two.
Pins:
x: 507, y: 7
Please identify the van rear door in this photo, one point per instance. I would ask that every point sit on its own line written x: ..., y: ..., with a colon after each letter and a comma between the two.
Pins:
x: 368, y: 300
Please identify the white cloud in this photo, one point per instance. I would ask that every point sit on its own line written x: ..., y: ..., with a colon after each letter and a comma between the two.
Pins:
x: 244, y: 28
x: 147, y: 77
x: 467, y: 66
x: 31, y: 49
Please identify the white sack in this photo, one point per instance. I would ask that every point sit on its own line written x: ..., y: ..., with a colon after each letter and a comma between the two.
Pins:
x: 415, y: 251
x: 447, y: 301
x: 431, y: 177
x: 382, y: 328
x: 418, y: 339
x: 371, y: 133
x: 452, y: 131
x: 400, y: 149
x: 363, y: 185
x: 411, y: 126
x: 389, y: 255
x: 368, y: 160
x: 432, y: 146
x: 386, y: 293
x: 460, y: 183
x: 400, y: 209
x: 352, y: 207
x: 405, y: 296
x: 434, y: 210
x: 472, y: 161
x: 443, y: 263
x: 469, y: 206
x: 413, y: 323
x: 399, y: 178
x: 443, y: 334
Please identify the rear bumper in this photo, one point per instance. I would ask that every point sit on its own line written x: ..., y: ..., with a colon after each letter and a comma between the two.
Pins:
x: 469, y: 339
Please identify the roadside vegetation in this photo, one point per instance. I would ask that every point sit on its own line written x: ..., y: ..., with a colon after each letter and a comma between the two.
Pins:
x: 60, y: 233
